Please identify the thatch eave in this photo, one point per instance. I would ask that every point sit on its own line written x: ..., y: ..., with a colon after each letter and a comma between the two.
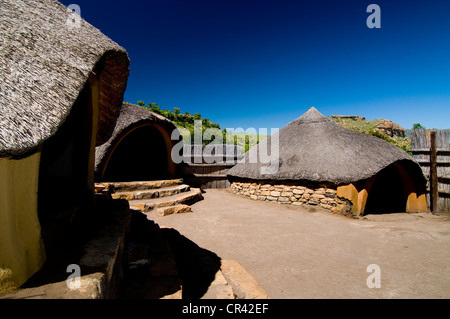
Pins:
x: 314, y: 148
x: 45, y: 64
x: 130, y: 117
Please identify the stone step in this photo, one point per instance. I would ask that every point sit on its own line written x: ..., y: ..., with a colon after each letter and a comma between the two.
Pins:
x: 151, y: 193
x: 187, y: 198
x: 219, y: 288
x: 144, y: 185
x: 243, y: 284
x: 176, y: 209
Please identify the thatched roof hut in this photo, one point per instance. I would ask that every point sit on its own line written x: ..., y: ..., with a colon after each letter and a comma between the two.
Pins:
x: 314, y: 149
x: 139, y: 148
x: 44, y: 64
x: 61, y: 89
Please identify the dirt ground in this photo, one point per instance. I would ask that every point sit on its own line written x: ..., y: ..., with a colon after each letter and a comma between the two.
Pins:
x: 297, y: 253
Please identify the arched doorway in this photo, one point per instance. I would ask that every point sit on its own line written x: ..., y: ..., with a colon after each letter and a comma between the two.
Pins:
x: 399, y: 187
x: 140, y: 155
x: 387, y: 193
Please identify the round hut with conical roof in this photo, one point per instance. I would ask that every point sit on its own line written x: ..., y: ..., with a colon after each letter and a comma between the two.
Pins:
x: 139, y: 148
x: 314, y: 161
x: 62, y: 86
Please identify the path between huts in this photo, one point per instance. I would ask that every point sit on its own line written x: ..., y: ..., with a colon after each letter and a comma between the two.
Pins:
x: 294, y: 252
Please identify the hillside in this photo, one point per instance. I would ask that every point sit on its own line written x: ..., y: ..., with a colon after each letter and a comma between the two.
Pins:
x: 185, y: 124
x: 385, y: 129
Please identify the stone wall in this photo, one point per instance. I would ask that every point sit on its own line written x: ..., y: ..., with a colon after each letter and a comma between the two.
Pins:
x: 324, y: 197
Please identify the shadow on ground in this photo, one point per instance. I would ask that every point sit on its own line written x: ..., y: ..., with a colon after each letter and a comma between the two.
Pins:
x: 161, y: 261
x: 196, y: 266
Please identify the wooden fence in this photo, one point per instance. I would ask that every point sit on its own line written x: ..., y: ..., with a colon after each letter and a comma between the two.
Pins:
x: 431, y: 149
x: 207, y: 166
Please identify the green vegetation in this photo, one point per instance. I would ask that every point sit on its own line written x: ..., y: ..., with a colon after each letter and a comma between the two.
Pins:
x: 370, y: 127
x: 185, y: 122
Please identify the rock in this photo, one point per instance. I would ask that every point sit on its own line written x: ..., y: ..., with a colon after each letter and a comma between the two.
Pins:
x: 320, y: 191
x: 243, y: 284
x: 286, y: 194
x: 283, y: 199
x: 219, y: 288
x: 275, y: 194
x: 325, y: 206
x: 390, y: 128
x: 176, y: 209
x: 348, y: 117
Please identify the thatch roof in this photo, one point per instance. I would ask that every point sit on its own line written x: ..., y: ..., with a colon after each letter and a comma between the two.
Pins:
x: 44, y: 64
x: 314, y: 148
x: 131, y: 116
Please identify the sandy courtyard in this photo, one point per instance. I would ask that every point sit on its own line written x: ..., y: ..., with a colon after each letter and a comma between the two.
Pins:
x: 295, y: 253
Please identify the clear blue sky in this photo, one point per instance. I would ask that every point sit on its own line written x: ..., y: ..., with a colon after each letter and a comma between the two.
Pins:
x: 257, y: 63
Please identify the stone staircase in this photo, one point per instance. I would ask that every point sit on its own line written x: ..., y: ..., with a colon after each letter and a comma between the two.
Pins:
x: 163, y: 197
x: 162, y: 263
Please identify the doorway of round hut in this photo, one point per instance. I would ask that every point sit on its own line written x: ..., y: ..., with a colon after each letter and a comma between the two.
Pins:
x: 140, y: 155
x: 63, y: 189
x: 387, y: 194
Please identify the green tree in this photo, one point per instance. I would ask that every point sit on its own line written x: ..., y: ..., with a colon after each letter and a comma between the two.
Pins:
x: 417, y: 126
x: 155, y: 108
x: 176, y: 110
x: 197, y: 116
x: 140, y: 103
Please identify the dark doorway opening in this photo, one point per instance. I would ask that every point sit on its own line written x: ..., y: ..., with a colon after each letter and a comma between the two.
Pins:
x: 140, y: 156
x: 63, y: 173
x: 387, y: 194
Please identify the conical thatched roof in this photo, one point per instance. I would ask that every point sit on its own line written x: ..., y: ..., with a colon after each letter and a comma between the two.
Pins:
x: 44, y: 64
x: 315, y: 148
x: 131, y: 116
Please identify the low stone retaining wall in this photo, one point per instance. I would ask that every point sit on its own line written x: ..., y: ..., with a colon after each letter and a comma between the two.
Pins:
x: 324, y: 197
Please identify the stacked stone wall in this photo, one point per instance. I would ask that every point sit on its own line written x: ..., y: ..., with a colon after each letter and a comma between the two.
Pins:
x: 298, y: 195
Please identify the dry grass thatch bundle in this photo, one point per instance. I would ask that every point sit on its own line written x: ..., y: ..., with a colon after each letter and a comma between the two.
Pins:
x: 130, y: 118
x: 315, y: 148
x: 45, y: 62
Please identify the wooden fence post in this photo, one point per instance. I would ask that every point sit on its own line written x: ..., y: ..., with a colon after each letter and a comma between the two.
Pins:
x: 433, y: 173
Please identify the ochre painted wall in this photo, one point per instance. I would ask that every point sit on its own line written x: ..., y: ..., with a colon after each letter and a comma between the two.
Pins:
x: 358, y: 194
x: 22, y: 251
